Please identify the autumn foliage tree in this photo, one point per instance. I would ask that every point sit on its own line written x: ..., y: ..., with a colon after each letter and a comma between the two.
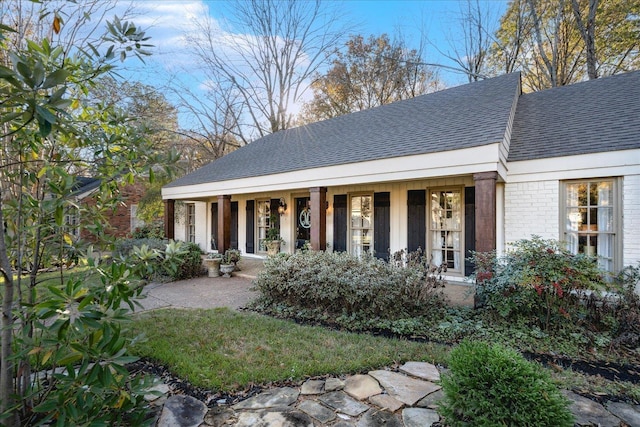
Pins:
x: 371, y: 72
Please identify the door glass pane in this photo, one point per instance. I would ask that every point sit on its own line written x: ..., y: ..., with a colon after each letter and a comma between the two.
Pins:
x: 264, y: 222
x: 361, y: 224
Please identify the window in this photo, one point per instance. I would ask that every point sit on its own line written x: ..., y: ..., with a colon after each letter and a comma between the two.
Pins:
x: 361, y: 224
x: 590, y: 219
x: 135, y: 221
x: 264, y: 222
x: 72, y: 222
x: 446, y: 229
x: 191, y: 223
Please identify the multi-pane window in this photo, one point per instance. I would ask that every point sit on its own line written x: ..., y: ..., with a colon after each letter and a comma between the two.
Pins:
x: 445, y: 228
x: 590, y: 219
x: 135, y: 221
x: 191, y: 223
x: 361, y: 224
x: 72, y: 222
x: 264, y: 221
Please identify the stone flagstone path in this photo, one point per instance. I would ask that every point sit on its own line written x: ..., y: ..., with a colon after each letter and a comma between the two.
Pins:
x: 380, y: 398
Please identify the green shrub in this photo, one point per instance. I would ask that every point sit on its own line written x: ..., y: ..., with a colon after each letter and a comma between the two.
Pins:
x: 149, y: 231
x: 340, y: 286
x: 162, y: 258
x: 189, y: 262
x: 494, y: 386
x: 626, y: 310
x: 124, y: 247
x: 539, y: 280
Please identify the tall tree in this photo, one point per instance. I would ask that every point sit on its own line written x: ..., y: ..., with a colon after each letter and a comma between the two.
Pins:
x: 556, y: 43
x: 149, y: 113
x: 370, y: 73
x: 264, y: 54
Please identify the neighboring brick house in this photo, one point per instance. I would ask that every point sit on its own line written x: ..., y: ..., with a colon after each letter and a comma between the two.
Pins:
x: 121, y: 222
x: 473, y: 167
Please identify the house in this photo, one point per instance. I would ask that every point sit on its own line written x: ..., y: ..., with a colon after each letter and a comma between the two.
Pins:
x: 472, y: 167
x: 122, y: 221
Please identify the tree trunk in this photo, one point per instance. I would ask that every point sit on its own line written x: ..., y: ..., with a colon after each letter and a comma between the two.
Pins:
x: 588, y: 34
x: 6, y: 365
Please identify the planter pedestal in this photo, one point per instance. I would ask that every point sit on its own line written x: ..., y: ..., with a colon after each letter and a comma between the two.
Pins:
x: 273, y: 247
x: 213, y: 267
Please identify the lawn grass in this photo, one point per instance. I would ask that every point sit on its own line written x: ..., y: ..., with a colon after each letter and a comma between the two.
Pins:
x: 224, y: 350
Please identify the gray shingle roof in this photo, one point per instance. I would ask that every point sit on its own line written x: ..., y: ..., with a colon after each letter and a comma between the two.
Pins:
x: 465, y: 116
x: 590, y: 117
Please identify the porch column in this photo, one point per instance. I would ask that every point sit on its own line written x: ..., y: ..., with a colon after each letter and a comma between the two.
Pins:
x: 224, y: 223
x: 318, y: 218
x: 170, y: 219
x: 485, y: 198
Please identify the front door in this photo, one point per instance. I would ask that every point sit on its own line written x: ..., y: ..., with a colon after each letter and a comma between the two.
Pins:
x: 303, y: 222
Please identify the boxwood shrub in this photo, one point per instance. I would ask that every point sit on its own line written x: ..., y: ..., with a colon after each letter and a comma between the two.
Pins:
x: 495, y: 386
x: 346, y: 289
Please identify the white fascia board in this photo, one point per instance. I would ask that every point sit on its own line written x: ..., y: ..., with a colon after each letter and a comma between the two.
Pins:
x: 596, y: 165
x: 447, y: 163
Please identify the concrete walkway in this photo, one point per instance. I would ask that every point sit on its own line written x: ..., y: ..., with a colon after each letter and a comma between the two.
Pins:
x: 205, y: 292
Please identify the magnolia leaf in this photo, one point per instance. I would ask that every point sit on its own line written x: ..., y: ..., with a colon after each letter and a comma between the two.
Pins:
x: 70, y: 359
x: 59, y: 215
x: 67, y: 239
x: 56, y: 78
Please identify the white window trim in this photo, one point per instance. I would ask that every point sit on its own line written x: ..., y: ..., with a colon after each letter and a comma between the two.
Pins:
x: 617, y: 251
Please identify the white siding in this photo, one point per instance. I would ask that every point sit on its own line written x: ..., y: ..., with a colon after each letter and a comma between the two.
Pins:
x: 202, y: 225
x: 531, y: 208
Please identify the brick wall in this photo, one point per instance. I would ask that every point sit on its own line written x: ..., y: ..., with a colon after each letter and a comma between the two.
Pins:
x: 631, y: 225
x: 531, y: 208
x: 120, y: 219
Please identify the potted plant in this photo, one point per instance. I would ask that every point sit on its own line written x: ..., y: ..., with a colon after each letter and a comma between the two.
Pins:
x: 273, y: 241
x: 229, y: 262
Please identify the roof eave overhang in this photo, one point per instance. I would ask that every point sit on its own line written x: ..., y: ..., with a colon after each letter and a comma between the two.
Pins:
x: 484, y: 158
x: 592, y: 165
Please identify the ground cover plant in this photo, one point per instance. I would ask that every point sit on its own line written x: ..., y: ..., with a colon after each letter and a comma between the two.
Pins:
x: 225, y: 350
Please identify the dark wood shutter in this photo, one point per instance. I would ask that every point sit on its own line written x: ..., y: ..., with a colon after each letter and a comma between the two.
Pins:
x: 250, y: 230
x: 469, y: 228
x: 275, y: 203
x: 381, y: 224
x: 416, y: 220
x: 234, y: 225
x: 214, y: 226
x: 340, y: 223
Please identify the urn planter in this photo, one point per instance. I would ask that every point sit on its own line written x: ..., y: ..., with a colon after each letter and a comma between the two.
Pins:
x: 227, y: 269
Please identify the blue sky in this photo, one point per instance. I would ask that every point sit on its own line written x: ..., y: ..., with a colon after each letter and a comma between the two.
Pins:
x: 166, y: 22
